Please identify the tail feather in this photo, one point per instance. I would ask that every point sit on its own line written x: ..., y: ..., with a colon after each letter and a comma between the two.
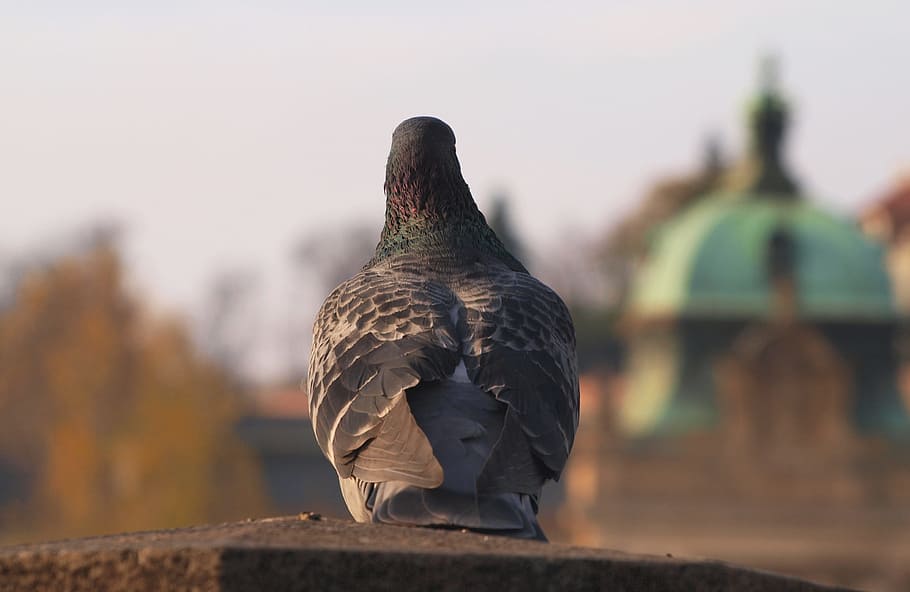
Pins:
x: 509, y: 514
x: 464, y: 426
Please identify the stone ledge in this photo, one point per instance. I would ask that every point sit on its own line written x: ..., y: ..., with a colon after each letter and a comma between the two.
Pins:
x: 309, y: 553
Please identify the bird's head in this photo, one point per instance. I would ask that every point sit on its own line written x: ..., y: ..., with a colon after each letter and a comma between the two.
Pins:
x: 428, y: 203
x: 423, y: 137
x: 423, y: 179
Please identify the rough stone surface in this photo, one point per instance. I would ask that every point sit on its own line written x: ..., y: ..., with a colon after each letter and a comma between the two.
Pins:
x: 310, y: 553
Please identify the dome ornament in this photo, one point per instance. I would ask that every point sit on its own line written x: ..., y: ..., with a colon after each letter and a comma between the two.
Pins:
x: 764, y: 171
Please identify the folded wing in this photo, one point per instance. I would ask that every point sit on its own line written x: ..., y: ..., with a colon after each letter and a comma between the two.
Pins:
x: 377, y: 335
x: 520, y: 346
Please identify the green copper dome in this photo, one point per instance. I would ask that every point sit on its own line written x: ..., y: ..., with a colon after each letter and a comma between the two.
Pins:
x: 713, y: 261
x: 746, y: 260
x: 720, y: 257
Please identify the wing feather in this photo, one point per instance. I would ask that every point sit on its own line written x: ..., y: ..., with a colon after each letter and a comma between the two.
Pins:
x: 377, y: 335
x: 520, y: 346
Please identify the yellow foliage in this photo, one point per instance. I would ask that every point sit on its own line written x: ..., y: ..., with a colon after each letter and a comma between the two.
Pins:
x: 113, y: 420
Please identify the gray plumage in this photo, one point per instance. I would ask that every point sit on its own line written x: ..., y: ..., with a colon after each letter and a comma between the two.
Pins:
x: 442, y: 380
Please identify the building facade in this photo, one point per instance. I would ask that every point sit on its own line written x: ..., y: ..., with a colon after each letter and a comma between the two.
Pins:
x: 759, y: 407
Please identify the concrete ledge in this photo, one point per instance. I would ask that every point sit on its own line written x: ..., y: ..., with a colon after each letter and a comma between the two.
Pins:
x: 310, y: 553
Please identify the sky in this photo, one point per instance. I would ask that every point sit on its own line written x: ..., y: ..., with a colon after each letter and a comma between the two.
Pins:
x: 222, y: 133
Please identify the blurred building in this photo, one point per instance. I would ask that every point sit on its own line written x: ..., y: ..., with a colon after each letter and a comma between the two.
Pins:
x: 759, y: 418
x: 887, y: 220
x: 296, y: 476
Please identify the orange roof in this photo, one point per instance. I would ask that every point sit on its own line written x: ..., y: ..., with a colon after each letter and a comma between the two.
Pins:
x: 895, y: 205
x: 282, y: 402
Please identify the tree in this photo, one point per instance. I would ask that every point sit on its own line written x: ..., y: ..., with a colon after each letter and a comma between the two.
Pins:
x: 230, y: 323
x: 500, y: 220
x: 111, y: 418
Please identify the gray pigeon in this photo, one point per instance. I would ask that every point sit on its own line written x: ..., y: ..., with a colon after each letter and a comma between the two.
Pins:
x: 442, y: 381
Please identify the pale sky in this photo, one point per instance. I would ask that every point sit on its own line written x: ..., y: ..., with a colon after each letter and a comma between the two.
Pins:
x: 220, y: 132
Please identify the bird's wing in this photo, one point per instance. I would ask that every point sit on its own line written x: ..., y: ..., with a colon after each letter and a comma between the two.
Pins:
x: 521, y: 348
x: 377, y: 334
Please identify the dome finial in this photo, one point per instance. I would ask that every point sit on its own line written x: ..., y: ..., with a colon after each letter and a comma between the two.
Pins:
x: 764, y: 171
x: 713, y: 161
x: 768, y: 74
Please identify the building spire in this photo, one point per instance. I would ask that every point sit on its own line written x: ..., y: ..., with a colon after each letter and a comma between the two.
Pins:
x: 768, y: 122
x: 764, y: 171
x: 768, y: 74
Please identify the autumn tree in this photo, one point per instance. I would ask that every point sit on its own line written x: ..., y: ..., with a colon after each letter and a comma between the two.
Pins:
x: 109, y: 419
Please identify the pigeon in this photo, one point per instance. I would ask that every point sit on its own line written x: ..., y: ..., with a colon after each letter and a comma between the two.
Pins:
x: 442, y: 381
